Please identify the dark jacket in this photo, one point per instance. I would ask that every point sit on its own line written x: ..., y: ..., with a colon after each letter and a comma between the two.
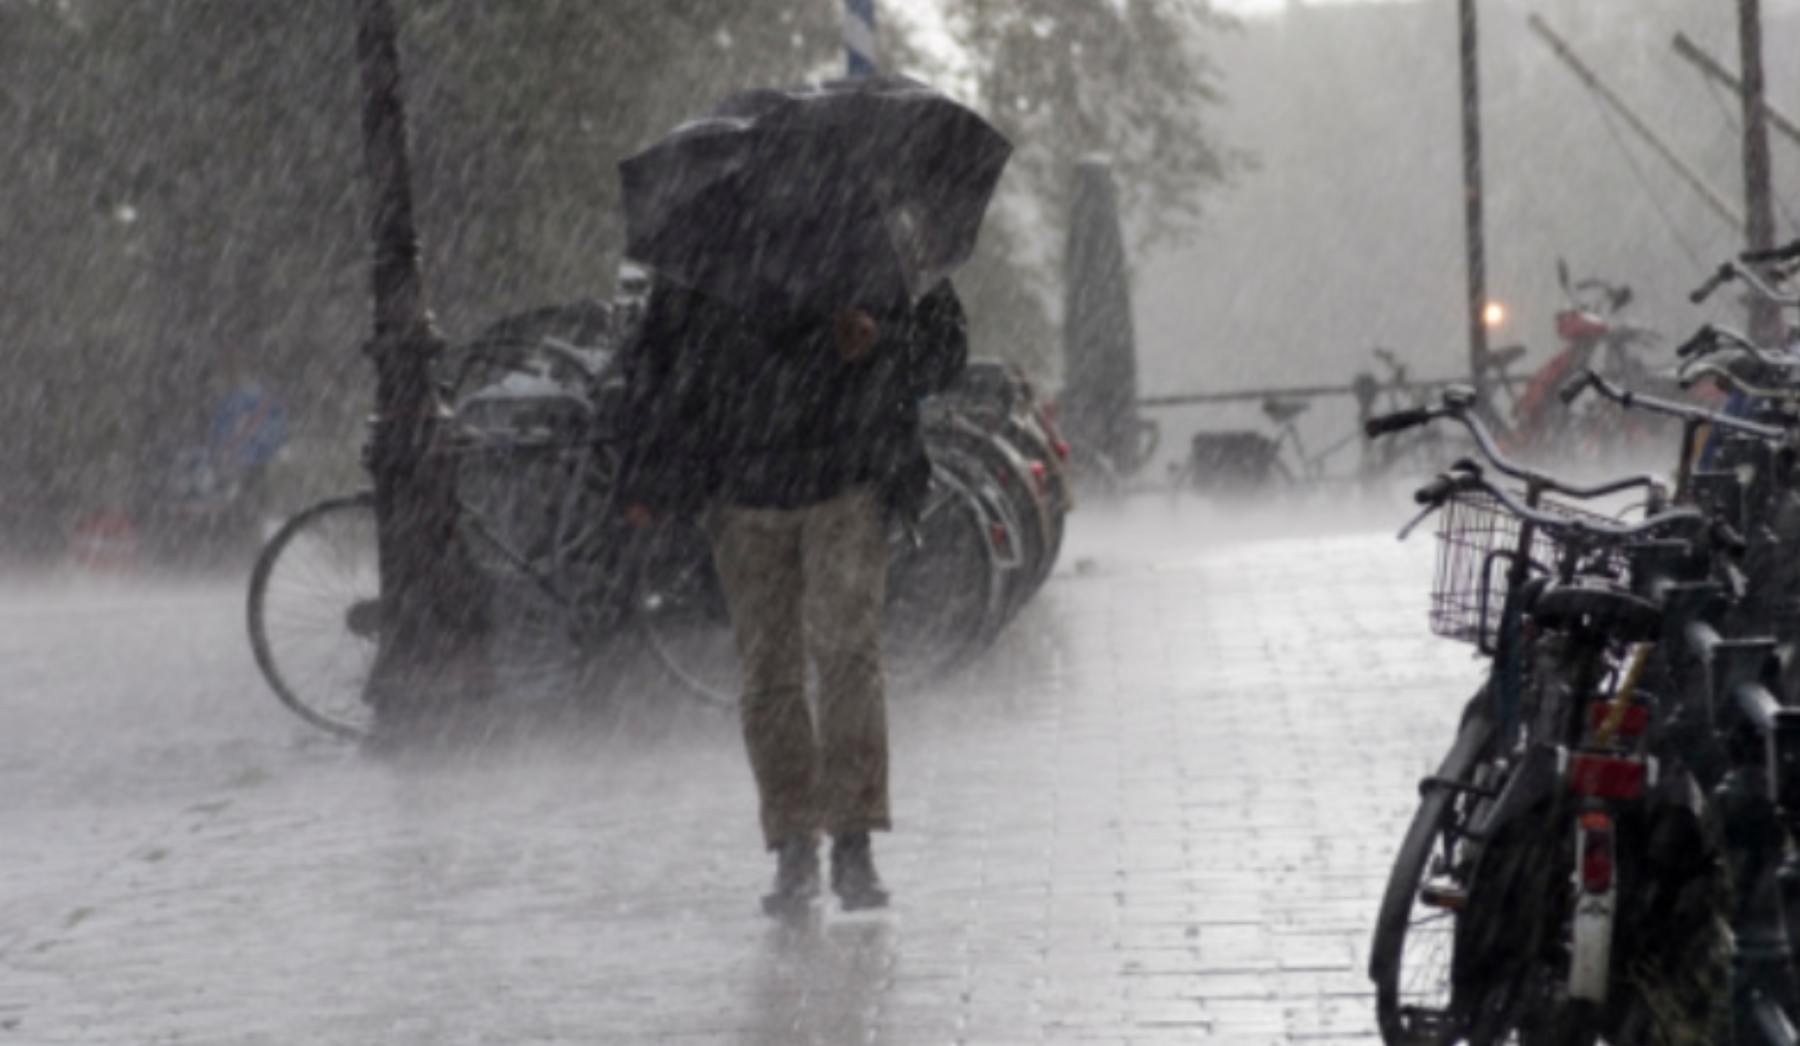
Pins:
x: 758, y: 409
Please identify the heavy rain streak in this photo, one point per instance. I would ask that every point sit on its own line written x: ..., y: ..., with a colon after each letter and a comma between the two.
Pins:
x: 872, y: 521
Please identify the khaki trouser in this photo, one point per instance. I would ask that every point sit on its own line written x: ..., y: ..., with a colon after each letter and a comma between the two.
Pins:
x: 800, y: 581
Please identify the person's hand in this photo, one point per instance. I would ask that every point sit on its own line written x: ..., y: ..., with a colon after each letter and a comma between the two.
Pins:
x: 640, y: 515
x: 855, y: 332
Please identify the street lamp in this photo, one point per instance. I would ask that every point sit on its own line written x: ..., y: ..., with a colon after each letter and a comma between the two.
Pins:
x: 433, y: 611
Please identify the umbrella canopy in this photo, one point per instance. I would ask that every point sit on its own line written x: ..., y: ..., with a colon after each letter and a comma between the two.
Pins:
x: 866, y: 191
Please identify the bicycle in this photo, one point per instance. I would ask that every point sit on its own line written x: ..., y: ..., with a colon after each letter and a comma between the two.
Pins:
x: 1027, y: 523
x: 1499, y: 917
x: 1420, y: 449
x: 1741, y: 734
x: 1594, y: 335
x: 535, y: 466
x: 947, y: 590
x: 1246, y: 461
x: 1703, y: 685
x: 532, y: 487
x: 1428, y: 448
x: 999, y: 399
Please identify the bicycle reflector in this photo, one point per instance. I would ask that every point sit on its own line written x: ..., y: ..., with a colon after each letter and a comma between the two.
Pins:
x: 1605, y: 776
x: 1596, y: 852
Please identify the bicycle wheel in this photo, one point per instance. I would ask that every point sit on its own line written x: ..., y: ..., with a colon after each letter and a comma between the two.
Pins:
x: 678, y: 609
x: 314, y: 611
x: 943, y: 602
x: 1410, y: 957
x: 531, y: 477
x: 944, y: 592
x: 1025, y: 510
x: 1005, y: 533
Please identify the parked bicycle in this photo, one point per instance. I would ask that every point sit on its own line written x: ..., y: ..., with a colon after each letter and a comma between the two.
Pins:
x: 1642, y: 680
x: 1594, y: 333
x: 529, y: 408
x: 1247, y: 461
x: 998, y: 398
x: 1499, y: 918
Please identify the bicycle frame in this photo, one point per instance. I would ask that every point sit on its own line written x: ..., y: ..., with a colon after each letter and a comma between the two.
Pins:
x: 1563, y: 776
x: 1747, y: 749
x: 1717, y: 709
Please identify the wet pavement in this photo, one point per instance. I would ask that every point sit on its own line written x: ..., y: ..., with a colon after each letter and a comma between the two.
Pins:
x: 1161, y: 810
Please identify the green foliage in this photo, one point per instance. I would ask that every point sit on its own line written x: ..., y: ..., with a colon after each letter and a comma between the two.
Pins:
x: 1126, y: 78
x: 186, y: 195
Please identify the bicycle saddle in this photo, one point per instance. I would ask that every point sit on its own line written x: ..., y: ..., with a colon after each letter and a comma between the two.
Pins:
x: 1283, y: 411
x: 1599, y: 604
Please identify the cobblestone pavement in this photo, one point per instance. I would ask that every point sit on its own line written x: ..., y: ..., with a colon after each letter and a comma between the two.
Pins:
x: 1161, y: 811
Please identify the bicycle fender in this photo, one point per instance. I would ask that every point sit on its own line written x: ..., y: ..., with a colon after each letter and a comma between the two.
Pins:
x: 1531, y: 784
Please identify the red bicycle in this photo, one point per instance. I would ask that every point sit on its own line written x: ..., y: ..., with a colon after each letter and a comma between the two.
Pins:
x: 1594, y: 336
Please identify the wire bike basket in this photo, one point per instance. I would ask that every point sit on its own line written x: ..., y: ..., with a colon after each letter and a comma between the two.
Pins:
x: 1477, y: 541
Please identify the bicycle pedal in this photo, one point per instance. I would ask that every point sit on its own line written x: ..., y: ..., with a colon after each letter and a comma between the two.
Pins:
x: 1448, y: 898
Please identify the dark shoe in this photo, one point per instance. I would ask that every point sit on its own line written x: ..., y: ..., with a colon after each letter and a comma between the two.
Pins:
x: 853, y: 876
x: 796, y: 877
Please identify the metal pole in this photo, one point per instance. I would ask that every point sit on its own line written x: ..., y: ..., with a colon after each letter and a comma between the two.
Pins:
x: 1710, y: 66
x: 1472, y: 224
x: 431, y: 611
x: 1592, y: 82
x: 1759, y: 208
x: 859, y: 37
x: 1192, y: 399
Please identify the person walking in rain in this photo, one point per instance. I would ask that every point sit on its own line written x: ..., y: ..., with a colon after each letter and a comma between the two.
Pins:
x: 798, y: 434
x: 801, y: 243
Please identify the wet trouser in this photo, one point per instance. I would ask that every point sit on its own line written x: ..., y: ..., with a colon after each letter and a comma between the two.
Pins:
x: 798, y: 582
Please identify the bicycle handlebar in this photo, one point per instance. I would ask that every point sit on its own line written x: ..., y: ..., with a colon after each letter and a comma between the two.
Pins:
x: 1468, y: 477
x: 1460, y: 406
x: 1731, y: 270
x: 1784, y: 253
x: 1711, y: 338
x: 1734, y: 383
x: 1723, y: 275
x: 1705, y: 340
x: 1439, y: 490
x: 1628, y: 399
x: 1398, y: 421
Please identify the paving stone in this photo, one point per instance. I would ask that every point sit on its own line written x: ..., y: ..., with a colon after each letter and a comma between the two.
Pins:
x: 1161, y: 810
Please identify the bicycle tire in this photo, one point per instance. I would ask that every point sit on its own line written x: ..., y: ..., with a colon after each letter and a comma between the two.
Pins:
x: 678, y: 614
x: 1437, y: 821
x: 670, y: 591
x: 952, y: 582
x: 340, y: 608
x: 974, y: 453
x: 532, y: 481
x: 1000, y: 512
x: 1036, y: 445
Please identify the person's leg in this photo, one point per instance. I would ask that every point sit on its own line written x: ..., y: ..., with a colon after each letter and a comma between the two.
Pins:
x: 845, y: 554
x: 757, y: 553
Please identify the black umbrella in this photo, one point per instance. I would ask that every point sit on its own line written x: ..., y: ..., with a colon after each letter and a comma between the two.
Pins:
x: 865, y: 191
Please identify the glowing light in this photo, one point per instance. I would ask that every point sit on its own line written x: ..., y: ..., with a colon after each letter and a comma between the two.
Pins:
x: 1493, y: 314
